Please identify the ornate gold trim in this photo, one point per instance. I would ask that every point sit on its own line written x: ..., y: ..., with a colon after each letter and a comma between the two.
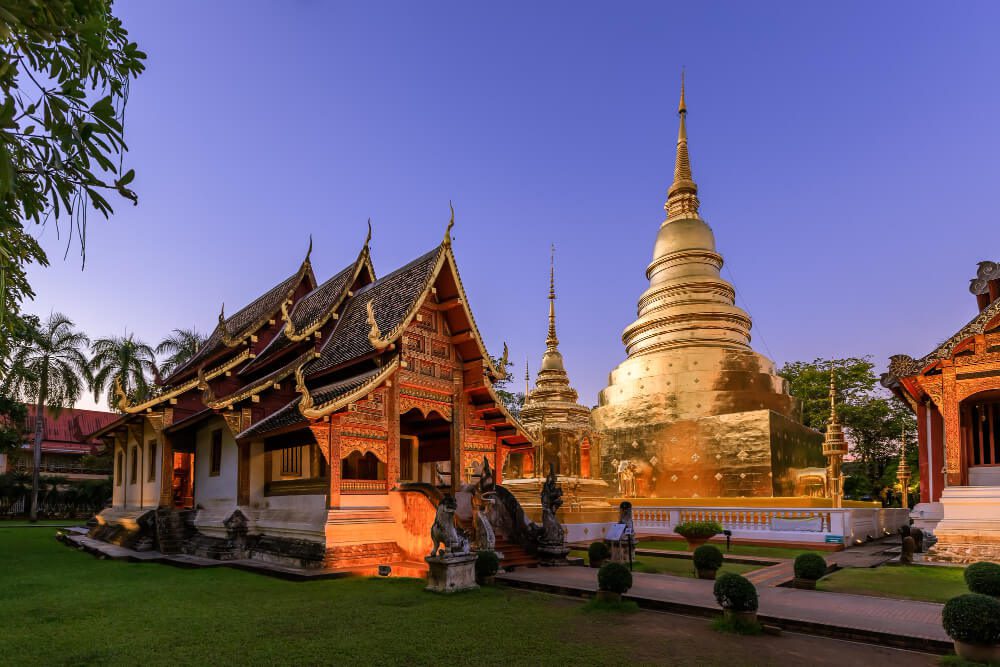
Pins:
x: 307, y: 405
x: 180, y: 389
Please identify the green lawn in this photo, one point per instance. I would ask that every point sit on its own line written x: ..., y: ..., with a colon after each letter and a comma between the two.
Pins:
x: 910, y: 582
x: 681, y: 567
x: 736, y: 550
x: 60, y: 606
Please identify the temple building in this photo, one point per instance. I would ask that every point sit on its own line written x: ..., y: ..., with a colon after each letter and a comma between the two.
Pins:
x: 318, y: 426
x: 564, y: 442
x: 66, y: 450
x: 694, y: 411
x: 955, y: 392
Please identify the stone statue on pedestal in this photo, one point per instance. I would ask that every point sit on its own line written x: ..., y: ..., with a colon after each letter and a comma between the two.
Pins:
x: 552, y: 543
x: 451, y: 568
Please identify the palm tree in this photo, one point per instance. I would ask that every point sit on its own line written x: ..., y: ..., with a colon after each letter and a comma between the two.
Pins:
x: 48, y: 366
x: 180, y: 346
x: 123, y: 359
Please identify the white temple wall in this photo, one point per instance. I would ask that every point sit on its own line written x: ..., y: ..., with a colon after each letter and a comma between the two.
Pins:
x: 215, y: 494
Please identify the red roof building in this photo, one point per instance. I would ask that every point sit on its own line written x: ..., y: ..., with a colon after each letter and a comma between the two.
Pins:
x: 64, y: 443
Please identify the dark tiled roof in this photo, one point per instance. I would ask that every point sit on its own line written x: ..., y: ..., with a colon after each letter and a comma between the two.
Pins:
x: 392, y: 296
x: 289, y: 415
x: 307, y: 310
x: 237, y: 323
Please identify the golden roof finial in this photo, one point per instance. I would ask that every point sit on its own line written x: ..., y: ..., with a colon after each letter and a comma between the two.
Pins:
x: 451, y: 223
x: 309, y: 251
x: 306, y: 401
x: 122, y: 402
x: 682, y: 197
x: 368, y: 238
x: 375, y: 334
x: 222, y: 316
x: 504, y: 361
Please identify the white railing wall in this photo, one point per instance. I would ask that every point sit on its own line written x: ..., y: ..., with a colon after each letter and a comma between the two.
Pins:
x: 779, y: 524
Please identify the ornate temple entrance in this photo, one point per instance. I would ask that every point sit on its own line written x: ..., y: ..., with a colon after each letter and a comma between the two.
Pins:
x: 980, y: 419
x: 425, y: 448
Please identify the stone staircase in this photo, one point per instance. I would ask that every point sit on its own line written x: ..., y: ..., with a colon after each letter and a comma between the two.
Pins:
x: 171, y: 530
x: 514, y: 556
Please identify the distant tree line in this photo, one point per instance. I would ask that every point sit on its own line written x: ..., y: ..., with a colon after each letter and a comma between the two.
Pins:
x: 878, y: 426
x: 51, y: 363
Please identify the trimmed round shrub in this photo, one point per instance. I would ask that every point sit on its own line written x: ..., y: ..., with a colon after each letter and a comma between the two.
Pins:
x: 698, y: 529
x: 707, y: 557
x: 810, y: 566
x: 598, y: 551
x: 614, y: 577
x: 972, y: 618
x: 487, y: 564
x: 735, y: 592
x: 983, y: 578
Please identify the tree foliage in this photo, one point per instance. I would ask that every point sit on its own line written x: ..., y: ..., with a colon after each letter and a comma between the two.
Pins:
x: 512, y: 400
x: 126, y: 360
x: 13, y: 418
x: 874, y: 421
x: 48, y: 366
x: 65, y: 67
x: 179, y: 346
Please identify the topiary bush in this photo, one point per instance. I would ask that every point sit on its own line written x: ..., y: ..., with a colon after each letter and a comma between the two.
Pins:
x: 972, y: 618
x: 698, y: 529
x: 983, y: 578
x: 707, y: 557
x: 614, y: 577
x: 597, y: 552
x: 810, y: 566
x: 487, y: 564
x: 735, y: 592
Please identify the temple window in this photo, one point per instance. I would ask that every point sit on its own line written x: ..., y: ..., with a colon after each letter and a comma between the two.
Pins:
x: 152, y: 460
x: 134, y: 468
x: 216, y: 468
x: 291, y: 462
x: 362, y: 466
x: 982, y: 421
x: 120, y: 468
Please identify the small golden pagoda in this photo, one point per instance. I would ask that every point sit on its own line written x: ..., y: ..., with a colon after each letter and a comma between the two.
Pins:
x: 564, y: 439
x: 694, y: 411
x: 834, y: 449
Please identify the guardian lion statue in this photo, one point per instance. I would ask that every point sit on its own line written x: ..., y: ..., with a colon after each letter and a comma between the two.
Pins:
x: 444, y: 534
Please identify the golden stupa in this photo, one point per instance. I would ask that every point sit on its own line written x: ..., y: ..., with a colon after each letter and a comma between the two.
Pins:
x: 694, y: 411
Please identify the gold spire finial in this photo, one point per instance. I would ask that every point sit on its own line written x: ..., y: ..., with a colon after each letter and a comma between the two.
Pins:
x: 682, y: 107
x: 682, y: 197
x: 222, y: 315
x: 833, y: 396
x: 552, y: 341
x: 451, y: 223
x: 368, y: 238
x: 527, y: 378
x: 309, y: 252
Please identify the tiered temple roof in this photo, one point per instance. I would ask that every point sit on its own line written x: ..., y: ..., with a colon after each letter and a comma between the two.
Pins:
x: 302, y: 350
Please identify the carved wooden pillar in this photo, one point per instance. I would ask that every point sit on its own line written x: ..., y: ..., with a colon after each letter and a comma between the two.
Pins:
x: 457, y: 426
x: 924, y: 449
x: 392, y: 432
x: 160, y: 421
x: 955, y: 454
x: 327, y: 435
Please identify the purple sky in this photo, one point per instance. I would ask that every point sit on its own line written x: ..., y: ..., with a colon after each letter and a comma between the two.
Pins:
x: 846, y: 156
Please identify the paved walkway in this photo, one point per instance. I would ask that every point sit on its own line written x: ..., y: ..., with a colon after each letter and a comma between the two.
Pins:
x: 901, y: 623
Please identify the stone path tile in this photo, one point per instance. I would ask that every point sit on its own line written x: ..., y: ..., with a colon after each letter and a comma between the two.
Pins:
x: 905, y: 623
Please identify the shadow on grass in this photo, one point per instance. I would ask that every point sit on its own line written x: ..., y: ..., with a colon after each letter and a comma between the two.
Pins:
x: 955, y: 661
x: 594, y: 605
x: 736, y: 627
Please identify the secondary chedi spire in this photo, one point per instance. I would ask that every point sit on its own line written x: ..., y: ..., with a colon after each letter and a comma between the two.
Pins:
x: 564, y: 439
x: 551, y: 409
x: 693, y: 410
